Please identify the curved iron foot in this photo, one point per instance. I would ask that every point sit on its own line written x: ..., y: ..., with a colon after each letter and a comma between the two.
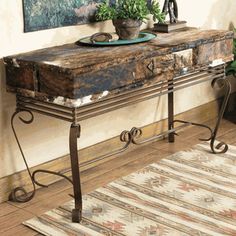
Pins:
x: 19, y: 194
x: 220, y: 147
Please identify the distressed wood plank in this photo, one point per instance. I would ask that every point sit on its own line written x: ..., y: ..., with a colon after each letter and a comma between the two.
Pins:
x: 6, y: 209
x: 74, y: 71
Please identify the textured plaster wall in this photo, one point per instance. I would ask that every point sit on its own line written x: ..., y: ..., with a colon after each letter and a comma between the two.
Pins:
x: 47, y: 138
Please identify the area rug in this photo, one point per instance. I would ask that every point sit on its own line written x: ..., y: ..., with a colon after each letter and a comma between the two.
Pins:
x: 191, y: 192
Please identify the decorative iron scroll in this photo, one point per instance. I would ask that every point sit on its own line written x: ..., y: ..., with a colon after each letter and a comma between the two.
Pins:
x: 19, y: 194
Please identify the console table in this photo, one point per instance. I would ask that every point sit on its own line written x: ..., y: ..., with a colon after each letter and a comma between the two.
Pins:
x: 74, y: 82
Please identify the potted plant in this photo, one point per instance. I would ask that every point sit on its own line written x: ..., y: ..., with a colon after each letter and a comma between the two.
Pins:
x: 128, y: 15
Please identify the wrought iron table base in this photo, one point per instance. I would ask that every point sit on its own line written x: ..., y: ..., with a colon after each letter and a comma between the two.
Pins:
x: 28, y: 105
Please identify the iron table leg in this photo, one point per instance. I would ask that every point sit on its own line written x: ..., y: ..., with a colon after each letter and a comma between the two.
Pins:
x: 171, y: 136
x: 77, y: 211
x: 19, y: 194
x: 221, y: 147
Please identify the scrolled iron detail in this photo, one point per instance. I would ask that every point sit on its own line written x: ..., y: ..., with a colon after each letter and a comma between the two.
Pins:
x: 19, y: 194
x: 135, y: 134
x: 15, y: 194
x: 218, y: 148
x: 51, y: 173
x: 131, y: 136
x: 221, y: 147
x: 125, y: 136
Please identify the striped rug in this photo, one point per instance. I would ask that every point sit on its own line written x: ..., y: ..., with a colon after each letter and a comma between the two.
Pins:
x: 192, y: 192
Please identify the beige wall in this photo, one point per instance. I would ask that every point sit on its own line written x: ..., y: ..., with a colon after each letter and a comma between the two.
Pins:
x: 47, y: 138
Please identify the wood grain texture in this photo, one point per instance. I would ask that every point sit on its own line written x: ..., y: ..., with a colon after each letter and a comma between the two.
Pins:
x: 7, y: 209
x: 7, y: 221
x: 74, y: 71
x: 20, y: 229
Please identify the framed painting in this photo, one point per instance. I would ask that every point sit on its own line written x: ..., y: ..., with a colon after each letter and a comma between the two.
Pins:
x: 44, y: 14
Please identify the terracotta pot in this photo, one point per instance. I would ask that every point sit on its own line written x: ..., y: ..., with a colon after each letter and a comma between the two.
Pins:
x: 127, y: 28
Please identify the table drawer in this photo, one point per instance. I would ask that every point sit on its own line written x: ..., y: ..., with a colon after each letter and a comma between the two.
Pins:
x: 207, y: 53
x: 155, y: 69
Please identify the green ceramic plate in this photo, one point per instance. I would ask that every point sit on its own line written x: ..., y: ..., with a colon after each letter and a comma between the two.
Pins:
x: 143, y: 37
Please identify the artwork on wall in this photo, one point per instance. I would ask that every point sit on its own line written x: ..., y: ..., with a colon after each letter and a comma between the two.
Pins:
x: 44, y: 14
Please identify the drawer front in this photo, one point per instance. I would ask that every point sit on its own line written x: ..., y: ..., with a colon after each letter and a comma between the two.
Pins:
x: 165, y: 67
x: 155, y: 69
x: 183, y: 61
x: 207, y: 53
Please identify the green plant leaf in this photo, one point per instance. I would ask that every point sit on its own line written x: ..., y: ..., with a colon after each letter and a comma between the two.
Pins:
x: 129, y: 9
